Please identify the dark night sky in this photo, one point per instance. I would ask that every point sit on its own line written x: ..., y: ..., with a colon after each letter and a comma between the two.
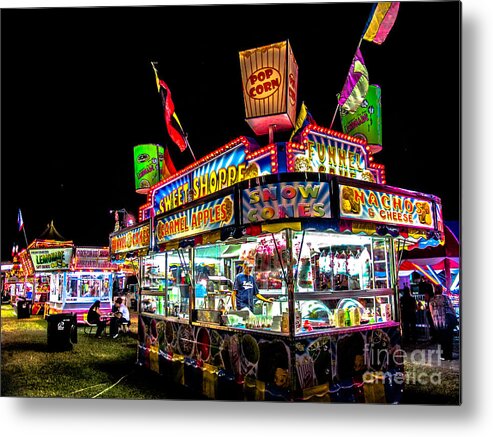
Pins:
x: 78, y: 92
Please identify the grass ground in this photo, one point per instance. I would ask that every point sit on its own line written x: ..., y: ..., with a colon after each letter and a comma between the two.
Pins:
x: 95, y: 368
x: 105, y: 368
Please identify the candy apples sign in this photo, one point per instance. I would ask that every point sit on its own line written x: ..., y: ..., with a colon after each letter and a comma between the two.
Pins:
x: 270, y: 83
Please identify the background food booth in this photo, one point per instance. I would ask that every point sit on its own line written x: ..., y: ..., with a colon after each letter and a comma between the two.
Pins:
x: 438, y: 265
x: 322, y: 230
x: 18, y: 282
x: 68, y: 278
x: 51, y: 260
x: 127, y: 247
x: 90, y: 278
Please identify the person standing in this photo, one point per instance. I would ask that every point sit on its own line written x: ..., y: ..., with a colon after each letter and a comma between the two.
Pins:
x: 408, y: 315
x: 444, y: 320
x: 426, y: 289
x: 245, y: 288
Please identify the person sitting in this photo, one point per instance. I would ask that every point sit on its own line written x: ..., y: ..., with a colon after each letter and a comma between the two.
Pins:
x: 94, y: 318
x: 121, y: 315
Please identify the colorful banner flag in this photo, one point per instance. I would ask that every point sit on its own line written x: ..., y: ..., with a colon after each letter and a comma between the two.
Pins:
x: 172, y: 123
x: 366, y: 121
x: 20, y: 222
x: 381, y: 20
x: 356, y: 85
x: 303, y: 120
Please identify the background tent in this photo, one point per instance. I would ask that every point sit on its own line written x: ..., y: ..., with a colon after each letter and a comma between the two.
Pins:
x: 431, y: 260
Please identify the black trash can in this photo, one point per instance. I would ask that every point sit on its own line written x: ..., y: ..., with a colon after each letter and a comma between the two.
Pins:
x: 23, y: 308
x: 62, y: 331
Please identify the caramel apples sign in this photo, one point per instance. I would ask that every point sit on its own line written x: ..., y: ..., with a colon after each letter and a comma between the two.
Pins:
x: 206, y: 217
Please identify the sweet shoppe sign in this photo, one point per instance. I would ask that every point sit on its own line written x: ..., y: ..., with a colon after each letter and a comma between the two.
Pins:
x: 213, y: 175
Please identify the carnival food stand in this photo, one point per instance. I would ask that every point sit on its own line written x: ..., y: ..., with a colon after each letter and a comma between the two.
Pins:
x: 51, y: 261
x: 314, y: 218
x: 321, y: 229
x: 127, y: 247
x: 67, y: 278
x: 90, y: 278
x: 19, y: 282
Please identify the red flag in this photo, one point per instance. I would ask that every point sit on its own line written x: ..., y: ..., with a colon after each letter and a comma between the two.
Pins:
x: 174, y: 127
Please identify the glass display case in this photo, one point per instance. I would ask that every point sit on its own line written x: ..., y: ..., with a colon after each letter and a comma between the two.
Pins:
x: 94, y: 285
x: 341, y: 280
x: 166, y: 285
x: 338, y: 281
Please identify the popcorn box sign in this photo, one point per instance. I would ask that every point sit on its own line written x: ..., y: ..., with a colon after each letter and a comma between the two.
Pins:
x: 270, y: 85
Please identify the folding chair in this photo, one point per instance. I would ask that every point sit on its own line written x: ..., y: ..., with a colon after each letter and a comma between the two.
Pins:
x: 88, y: 326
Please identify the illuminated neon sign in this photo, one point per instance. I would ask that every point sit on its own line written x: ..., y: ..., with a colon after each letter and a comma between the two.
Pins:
x: 286, y: 200
x: 51, y: 259
x: 92, y: 258
x: 269, y: 76
x: 383, y: 207
x: 206, y: 217
x: 326, y: 151
x: 131, y: 239
x: 214, y: 175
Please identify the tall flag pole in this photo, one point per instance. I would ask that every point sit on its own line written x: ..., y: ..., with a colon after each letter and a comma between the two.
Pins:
x: 20, y: 224
x: 380, y: 22
x: 175, y: 130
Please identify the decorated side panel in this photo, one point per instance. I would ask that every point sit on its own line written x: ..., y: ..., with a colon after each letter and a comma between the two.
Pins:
x: 219, y: 364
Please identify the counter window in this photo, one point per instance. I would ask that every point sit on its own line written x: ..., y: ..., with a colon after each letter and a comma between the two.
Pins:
x: 325, y: 262
x: 166, y: 283
x: 341, y: 280
x: 88, y: 285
